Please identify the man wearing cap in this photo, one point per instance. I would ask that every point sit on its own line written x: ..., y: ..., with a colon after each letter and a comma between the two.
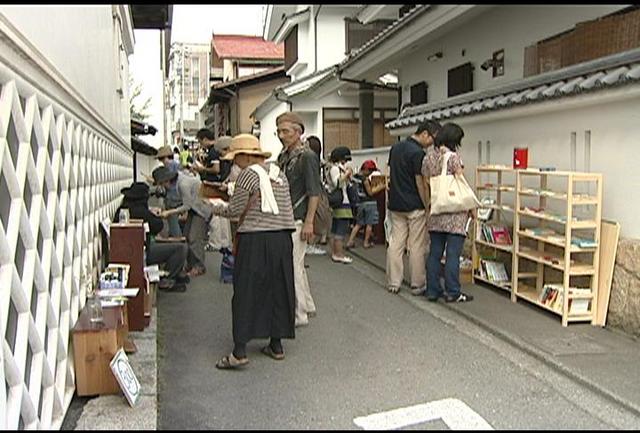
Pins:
x: 171, y: 254
x: 301, y: 166
x: 199, y: 214
x: 172, y: 198
x: 211, y: 170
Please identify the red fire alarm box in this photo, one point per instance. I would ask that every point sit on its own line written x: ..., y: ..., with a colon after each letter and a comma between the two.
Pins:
x: 520, y: 157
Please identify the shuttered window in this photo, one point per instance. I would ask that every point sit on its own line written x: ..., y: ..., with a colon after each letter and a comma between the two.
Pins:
x: 291, y: 48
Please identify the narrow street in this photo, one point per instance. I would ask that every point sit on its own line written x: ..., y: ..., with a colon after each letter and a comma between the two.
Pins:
x: 366, y: 352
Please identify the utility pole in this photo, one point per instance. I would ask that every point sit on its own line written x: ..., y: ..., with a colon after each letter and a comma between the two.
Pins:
x: 182, y: 96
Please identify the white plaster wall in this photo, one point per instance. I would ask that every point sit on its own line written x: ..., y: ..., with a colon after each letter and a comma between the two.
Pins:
x: 80, y: 42
x: 268, y: 138
x: 331, y: 35
x: 511, y: 28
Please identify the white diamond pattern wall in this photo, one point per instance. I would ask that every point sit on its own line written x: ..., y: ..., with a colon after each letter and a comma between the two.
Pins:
x: 59, y: 177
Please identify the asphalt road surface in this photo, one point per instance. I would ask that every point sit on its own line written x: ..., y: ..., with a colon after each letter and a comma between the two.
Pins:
x: 367, y: 352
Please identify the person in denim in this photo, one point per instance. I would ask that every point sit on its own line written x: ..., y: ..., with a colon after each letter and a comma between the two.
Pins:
x: 172, y: 198
x: 339, y: 176
x: 367, y: 214
x: 446, y: 230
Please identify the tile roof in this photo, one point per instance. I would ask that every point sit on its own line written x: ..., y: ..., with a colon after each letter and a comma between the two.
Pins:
x: 246, y: 47
x: 606, y: 73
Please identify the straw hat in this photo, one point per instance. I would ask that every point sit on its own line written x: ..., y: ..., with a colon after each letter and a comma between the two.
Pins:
x: 164, y: 151
x: 247, y: 144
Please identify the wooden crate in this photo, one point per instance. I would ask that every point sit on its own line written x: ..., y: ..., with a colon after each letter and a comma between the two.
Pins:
x: 94, y: 346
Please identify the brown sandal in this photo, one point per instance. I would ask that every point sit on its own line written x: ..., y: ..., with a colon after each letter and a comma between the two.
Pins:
x: 229, y: 362
x: 267, y: 350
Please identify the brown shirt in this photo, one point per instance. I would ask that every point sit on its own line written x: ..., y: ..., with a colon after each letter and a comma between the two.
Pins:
x: 432, y: 166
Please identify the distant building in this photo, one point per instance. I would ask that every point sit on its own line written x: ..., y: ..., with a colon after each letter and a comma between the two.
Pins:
x: 187, y: 89
x: 236, y: 56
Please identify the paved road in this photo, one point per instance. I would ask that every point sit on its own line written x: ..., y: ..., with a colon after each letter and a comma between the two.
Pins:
x: 366, y: 352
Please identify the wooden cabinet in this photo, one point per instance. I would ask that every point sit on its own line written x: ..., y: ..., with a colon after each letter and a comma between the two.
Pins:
x: 126, y: 246
x: 94, y: 346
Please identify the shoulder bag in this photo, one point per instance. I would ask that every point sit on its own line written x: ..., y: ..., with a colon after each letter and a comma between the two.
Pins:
x: 451, y: 193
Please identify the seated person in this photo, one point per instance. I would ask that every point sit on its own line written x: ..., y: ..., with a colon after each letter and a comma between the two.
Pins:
x: 171, y: 254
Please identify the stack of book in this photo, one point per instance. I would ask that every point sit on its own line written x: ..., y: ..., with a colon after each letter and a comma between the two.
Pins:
x: 496, y: 234
x: 552, y: 296
x: 493, y: 271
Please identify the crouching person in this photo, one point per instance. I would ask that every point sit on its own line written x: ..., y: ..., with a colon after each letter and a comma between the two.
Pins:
x: 170, y: 254
x: 263, y: 304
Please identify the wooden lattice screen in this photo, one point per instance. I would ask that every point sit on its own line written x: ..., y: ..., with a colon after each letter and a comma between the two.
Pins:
x: 59, y: 177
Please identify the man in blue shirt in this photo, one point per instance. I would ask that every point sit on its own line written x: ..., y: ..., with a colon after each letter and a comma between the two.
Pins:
x: 407, y: 204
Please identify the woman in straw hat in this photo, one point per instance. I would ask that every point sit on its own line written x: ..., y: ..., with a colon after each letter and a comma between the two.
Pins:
x: 263, y: 304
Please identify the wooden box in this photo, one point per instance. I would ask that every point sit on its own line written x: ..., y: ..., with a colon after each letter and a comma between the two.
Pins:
x: 94, y: 346
x: 126, y: 246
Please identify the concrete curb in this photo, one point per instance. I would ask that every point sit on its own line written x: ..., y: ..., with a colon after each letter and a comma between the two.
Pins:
x: 531, y: 350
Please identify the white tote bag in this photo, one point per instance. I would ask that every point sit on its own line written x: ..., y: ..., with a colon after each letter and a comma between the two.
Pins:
x: 451, y: 193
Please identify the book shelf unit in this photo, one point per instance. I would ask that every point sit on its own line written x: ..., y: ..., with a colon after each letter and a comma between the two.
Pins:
x: 498, y: 183
x: 545, y: 229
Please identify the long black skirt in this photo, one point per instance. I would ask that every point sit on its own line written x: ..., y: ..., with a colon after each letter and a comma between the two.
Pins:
x: 263, y: 303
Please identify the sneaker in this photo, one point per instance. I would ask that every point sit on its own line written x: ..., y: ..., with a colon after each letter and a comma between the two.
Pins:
x: 417, y: 291
x: 462, y: 297
x: 346, y: 260
x: 315, y: 251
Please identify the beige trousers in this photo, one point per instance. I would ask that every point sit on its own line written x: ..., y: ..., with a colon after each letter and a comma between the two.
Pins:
x: 408, y: 231
x: 304, y: 301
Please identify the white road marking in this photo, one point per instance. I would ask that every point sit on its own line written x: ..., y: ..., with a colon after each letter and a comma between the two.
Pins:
x: 453, y: 412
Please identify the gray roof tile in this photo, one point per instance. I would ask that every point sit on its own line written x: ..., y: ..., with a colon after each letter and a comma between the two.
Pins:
x: 615, y: 70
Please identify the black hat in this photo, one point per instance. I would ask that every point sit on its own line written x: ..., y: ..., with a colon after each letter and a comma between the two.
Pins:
x: 163, y: 174
x: 137, y: 191
x: 340, y: 153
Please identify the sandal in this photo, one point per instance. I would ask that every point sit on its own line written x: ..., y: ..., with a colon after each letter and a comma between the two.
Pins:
x: 196, y: 272
x: 267, y: 350
x: 229, y: 362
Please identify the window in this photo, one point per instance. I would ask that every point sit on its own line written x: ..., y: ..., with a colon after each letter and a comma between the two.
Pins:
x: 358, y: 34
x: 460, y: 80
x: 419, y: 93
x: 291, y: 48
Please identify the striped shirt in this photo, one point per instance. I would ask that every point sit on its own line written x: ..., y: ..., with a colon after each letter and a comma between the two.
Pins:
x: 247, y: 192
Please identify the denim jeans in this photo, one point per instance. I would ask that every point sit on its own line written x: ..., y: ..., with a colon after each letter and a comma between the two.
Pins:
x: 453, y: 244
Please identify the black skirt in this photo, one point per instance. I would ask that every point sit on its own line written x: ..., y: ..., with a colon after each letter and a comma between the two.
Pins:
x: 263, y: 303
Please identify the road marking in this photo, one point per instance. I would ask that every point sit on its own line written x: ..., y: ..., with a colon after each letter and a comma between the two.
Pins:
x: 453, y: 412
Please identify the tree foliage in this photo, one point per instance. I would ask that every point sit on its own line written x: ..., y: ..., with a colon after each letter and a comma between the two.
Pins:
x: 138, y: 112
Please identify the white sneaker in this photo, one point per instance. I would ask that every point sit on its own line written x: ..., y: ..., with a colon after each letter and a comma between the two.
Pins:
x: 315, y: 251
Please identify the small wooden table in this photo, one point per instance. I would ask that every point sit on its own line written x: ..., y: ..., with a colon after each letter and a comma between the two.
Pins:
x: 94, y: 346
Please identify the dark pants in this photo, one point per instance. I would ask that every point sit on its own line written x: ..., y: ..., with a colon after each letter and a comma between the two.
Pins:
x: 170, y: 254
x: 263, y: 303
x: 453, y: 244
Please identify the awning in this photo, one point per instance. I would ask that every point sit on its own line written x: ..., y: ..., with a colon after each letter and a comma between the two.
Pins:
x: 141, y: 128
x: 140, y: 146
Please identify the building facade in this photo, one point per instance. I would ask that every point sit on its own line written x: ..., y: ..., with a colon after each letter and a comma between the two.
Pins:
x: 317, y: 38
x: 539, y: 83
x: 187, y: 88
x: 65, y: 154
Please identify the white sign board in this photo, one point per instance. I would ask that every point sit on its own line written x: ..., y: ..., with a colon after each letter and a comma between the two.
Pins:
x: 126, y: 377
x: 453, y: 412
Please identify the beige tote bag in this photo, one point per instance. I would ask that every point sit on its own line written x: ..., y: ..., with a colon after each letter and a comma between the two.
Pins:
x: 451, y: 193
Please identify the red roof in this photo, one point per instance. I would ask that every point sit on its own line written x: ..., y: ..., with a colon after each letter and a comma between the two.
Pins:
x: 246, y: 47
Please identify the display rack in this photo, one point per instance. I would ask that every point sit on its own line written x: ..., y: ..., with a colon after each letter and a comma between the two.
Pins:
x: 492, y: 182
x: 574, y: 233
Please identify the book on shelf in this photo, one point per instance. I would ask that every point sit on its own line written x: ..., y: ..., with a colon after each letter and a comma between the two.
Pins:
x: 552, y: 296
x: 493, y: 271
x: 583, y: 242
x: 499, y: 235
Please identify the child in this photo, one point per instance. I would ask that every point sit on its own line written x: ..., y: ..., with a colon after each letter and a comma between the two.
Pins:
x: 367, y: 210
